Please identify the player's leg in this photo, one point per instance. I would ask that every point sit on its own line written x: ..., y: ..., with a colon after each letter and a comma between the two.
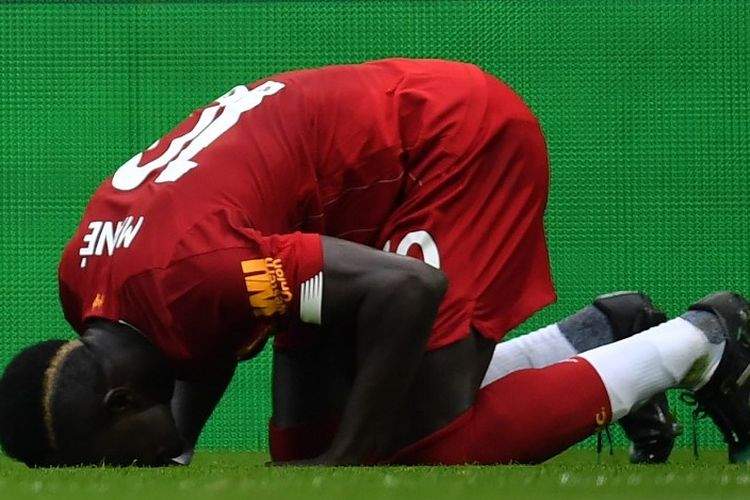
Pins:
x: 448, y: 380
x: 445, y: 386
x: 610, y: 318
x: 523, y: 417
x: 310, y: 385
x: 651, y: 428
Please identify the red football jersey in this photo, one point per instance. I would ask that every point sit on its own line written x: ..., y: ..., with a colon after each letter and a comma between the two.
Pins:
x: 210, y: 238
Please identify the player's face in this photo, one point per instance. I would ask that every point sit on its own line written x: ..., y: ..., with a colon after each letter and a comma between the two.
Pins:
x: 146, y: 437
x: 131, y: 425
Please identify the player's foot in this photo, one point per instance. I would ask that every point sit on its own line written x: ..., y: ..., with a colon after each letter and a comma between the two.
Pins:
x: 651, y: 428
x: 726, y: 396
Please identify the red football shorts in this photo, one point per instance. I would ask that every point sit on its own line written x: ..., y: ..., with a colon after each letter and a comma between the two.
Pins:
x: 475, y: 210
x: 472, y: 202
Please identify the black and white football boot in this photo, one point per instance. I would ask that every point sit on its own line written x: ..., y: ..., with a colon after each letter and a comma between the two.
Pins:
x: 725, y: 398
x: 651, y: 428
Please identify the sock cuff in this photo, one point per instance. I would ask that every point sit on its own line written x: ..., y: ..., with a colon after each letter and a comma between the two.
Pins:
x: 587, y: 329
x: 708, y: 323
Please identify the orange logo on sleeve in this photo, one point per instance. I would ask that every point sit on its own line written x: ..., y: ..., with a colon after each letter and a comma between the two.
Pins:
x: 98, y: 302
x: 267, y: 286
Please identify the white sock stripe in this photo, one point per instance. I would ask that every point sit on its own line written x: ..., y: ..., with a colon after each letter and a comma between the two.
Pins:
x: 311, y: 300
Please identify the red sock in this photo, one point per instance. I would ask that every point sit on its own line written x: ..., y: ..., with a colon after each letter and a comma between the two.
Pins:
x: 527, y: 416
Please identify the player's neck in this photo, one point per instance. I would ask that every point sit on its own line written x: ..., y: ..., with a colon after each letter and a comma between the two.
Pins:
x: 123, y: 352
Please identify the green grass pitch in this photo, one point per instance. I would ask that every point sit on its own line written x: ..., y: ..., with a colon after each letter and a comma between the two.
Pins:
x: 230, y: 475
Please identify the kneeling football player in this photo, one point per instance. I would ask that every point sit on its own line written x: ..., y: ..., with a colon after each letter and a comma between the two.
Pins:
x: 383, y: 223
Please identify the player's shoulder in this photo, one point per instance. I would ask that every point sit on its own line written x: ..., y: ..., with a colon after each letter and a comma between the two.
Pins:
x: 213, y: 231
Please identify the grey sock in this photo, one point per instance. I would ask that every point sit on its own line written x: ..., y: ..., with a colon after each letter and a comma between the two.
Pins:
x: 587, y: 329
x: 708, y: 323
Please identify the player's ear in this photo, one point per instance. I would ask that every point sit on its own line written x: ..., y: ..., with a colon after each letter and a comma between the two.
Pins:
x: 119, y: 400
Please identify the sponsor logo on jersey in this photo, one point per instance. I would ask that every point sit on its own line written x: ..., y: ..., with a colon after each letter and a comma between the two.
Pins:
x: 107, y: 236
x: 267, y: 286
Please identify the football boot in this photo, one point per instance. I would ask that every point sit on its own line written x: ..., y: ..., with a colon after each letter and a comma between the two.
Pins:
x: 725, y: 398
x: 651, y: 428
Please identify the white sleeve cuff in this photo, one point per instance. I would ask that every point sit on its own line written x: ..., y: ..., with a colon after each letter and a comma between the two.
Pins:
x: 311, y: 300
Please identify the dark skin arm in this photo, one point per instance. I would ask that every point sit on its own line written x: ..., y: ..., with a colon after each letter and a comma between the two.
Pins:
x: 194, y: 400
x: 391, y: 301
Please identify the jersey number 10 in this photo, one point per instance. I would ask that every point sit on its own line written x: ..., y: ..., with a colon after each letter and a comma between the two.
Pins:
x: 178, y: 158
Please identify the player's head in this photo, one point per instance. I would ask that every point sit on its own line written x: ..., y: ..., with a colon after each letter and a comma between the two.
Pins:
x: 70, y: 403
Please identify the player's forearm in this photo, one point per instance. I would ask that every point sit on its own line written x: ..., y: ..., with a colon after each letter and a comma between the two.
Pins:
x: 393, y: 325
x: 195, y: 400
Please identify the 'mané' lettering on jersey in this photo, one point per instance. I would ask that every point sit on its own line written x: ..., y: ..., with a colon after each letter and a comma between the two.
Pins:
x: 267, y: 286
x: 109, y: 235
